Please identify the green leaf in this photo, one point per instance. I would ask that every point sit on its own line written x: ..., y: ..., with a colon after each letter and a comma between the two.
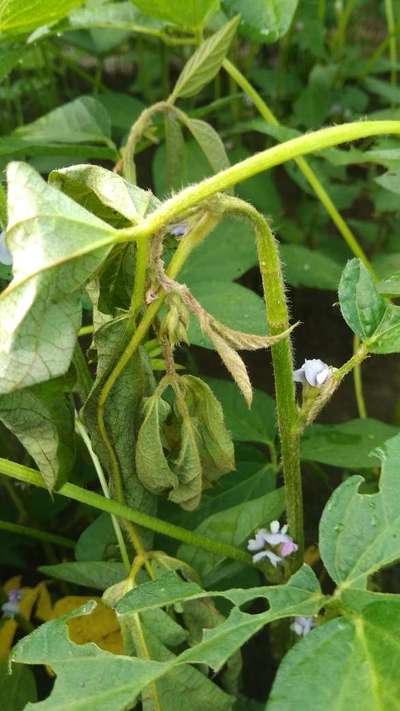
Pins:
x: 232, y: 304
x: 210, y: 143
x: 152, y: 466
x: 194, y: 167
x: 361, y: 305
x: 235, y: 526
x: 90, y: 185
x: 97, y: 541
x: 40, y: 311
x: 174, y: 152
x: 347, y: 445
x: 255, y: 425
x: 308, y: 267
x: 122, y: 109
x: 390, y: 181
x: 99, y: 575
x: 191, y: 14
x: 114, y: 16
x: 12, y: 147
x: 386, y: 338
x: 263, y: 20
x: 206, y: 62
x: 83, y: 120
x: 228, y: 252
x: 43, y: 420
x: 347, y: 663
x: 17, y: 18
x: 17, y: 688
x: 359, y: 534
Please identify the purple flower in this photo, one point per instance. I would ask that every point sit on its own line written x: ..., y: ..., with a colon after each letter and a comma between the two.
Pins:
x: 313, y: 372
x: 178, y: 230
x: 277, y: 539
x: 11, y: 607
x: 5, y: 254
x: 302, y: 625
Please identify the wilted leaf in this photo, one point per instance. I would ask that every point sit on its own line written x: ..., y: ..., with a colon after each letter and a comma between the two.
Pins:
x: 360, y: 533
x: 40, y: 311
x: 43, y: 420
x: 205, y: 63
x: 152, y: 466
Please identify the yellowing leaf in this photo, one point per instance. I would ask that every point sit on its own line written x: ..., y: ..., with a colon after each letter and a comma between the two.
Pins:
x: 100, y: 627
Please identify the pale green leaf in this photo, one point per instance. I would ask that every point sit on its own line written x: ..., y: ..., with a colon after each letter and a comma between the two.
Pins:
x: 255, y: 425
x: 390, y: 181
x: 191, y: 13
x: 361, y: 305
x: 263, y: 20
x: 232, y: 304
x: 18, y: 17
x: 206, y: 62
x: 83, y: 120
x: 234, y: 526
x: 97, y: 574
x: 348, y: 663
x: 349, y: 444
x: 114, y: 16
x: 360, y: 533
x: 56, y: 247
x: 43, y: 420
x: 17, y: 687
x: 90, y: 184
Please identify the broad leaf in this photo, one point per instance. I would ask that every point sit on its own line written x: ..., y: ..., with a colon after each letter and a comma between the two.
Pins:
x: 191, y: 14
x: 308, y: 267
x: 114, y: 16
x: 96, y: 574
x: 390, y: 181
x: 97, y: 541
x: 349, y: 444
x: 210, y: 143
x: 56, y: 246
x: 234, y: 526
x: 360, y: 533
x: 18, y: 18
x: 347, y: 663
x: 43, y: 420
x: 361, y: 305
x: 83, y: 120
x: 263, y: 20
x: 90, y: 185
x: 255, y: 425
x: 206, y: 62
x: 232, y: 304
x: 17, y: 688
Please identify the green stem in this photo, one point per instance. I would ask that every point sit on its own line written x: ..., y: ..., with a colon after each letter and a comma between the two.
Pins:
x: 71, y: 491
x: 138, y: 293
x: 35, y: 533
x: 308, y: 172
x: 83, y: 377
x: 278, y: 321
x: 136, y: 132
x: 391, y: 27
x: 103, y: 483
x: 358, y: 387
x: 339, y: 38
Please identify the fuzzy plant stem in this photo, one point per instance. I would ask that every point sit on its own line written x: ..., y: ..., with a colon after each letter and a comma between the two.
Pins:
x: 89, y: 498
x: 308, y: 172
x: 282, y: 360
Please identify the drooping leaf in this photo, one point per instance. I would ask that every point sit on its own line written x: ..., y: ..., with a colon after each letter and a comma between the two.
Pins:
x: 205, y: 63
x: 43, y: 420
x: 232, y: 304
x: 56, y: 247
x: 360, y: 533
x: 191, y: 14
x: 347, y: 663
x: 151, y: 463
x: 122, y: 410
x: 17, y: 688
x: 255, y: 425
x: 90, y: 185
x: 361, y: 305
x: 83, y: 120
x: 349, y: 444
x: 234, y: 526
x: 97, y: 574
x: 17, y: 18
x: 263, y: 20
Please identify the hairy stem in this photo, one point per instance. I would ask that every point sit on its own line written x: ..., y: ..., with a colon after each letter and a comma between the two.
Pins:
x: 71, y: 491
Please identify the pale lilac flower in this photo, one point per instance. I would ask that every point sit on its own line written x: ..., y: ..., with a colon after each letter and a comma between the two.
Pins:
x: 11, y: 607
x: 5, y: 254
x: 178, y: 230
x: 302, y: 625
x: 276, y: 538
x: 313, y: 372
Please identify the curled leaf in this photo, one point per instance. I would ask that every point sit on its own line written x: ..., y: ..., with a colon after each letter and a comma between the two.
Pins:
x: 249, y: 341
x: 233, y: 363
x: 152, y: 467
